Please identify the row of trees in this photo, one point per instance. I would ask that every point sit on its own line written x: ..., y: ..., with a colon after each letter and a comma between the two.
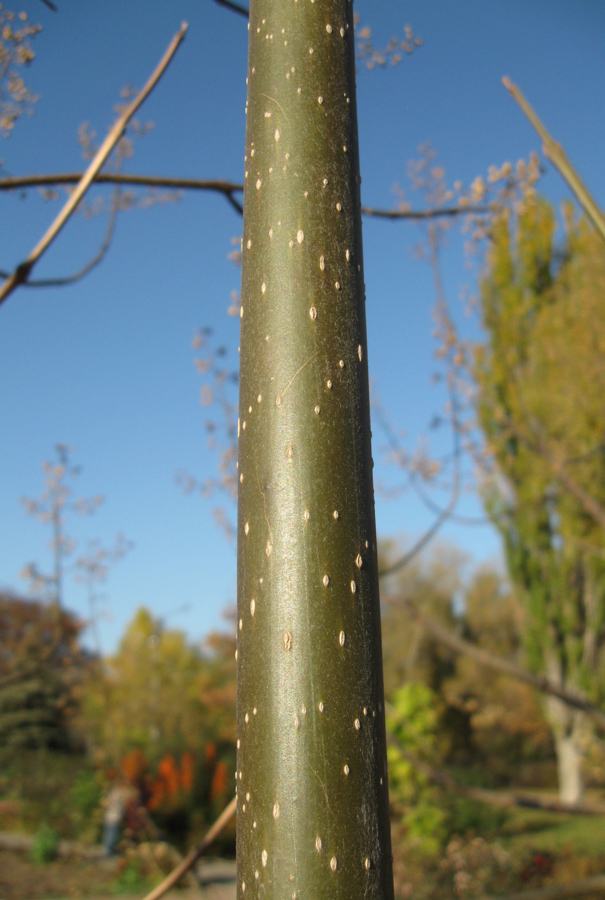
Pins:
x: 160, y: 713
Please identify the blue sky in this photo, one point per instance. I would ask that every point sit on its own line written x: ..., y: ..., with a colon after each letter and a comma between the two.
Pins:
x: 106, y: 366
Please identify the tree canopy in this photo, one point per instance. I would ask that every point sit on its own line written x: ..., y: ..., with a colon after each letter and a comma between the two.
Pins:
x: 541, y: 379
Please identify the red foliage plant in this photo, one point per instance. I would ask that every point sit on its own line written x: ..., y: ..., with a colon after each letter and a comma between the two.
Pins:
x: 220, y: 781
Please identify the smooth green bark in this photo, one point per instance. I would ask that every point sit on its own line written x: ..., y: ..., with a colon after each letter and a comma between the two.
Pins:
x: 313, y: 812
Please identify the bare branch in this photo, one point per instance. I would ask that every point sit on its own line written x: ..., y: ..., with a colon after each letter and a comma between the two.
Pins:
x: 90, y: 265
x: 193, y: 856
x: 456, y: 452
x: 221, y: 186
x: 423, y: 541
x: 234, y: 6
x: 488, y: 659
x: 50, y: 5
x: 229, y: 188
x: 22, y: 271
x: 554, y: 151
x: 416, y: 215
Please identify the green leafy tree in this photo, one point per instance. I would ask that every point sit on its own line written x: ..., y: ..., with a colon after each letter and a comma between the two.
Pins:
x: 412, y: 722
x: 491, y: 725
x: 313, y: 811
x: 541, y: 383
x: 148, y: 696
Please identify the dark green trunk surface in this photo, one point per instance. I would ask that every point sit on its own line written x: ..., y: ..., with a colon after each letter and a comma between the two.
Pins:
x: 313, y: 814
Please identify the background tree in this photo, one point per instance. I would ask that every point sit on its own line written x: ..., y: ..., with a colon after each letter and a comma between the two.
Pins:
x: 42, y: 667
x: 540, y: 408
x: 156, y: 694
x: 489, y: 727
x: 52, y: 508
x: 16, y: 51
x: 510, y: 742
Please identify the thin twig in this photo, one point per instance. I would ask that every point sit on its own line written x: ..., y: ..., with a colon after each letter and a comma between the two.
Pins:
x: 445, y: 513
x: 22, y: 271
x: 234, y: 6
x: 422, y: 541
x: 193, y: 856
x: 90, y: 265
x: 228, y: 188
x: 554, y: 151
x: 224, y: 187
x: 424, y: 213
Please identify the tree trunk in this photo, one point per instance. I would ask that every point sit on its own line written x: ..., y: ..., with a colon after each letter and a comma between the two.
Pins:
x: 313, y: 810
x: 568, y: 729
x: 568, y: 748
x: 569, y: 768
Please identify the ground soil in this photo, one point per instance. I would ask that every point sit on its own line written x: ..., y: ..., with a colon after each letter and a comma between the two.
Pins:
x: 21, y: 879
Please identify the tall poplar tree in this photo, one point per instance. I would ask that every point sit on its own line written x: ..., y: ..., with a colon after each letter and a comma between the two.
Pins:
x: 541, y: 383
x: 313, y: 810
